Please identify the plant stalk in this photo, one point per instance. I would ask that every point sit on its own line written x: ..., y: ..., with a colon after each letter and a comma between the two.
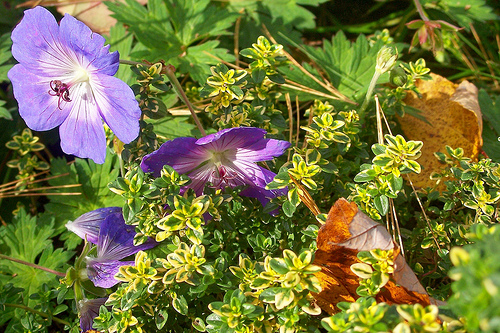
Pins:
x: 24, y: 307
x: 169, y: 71
x: 61, y: 274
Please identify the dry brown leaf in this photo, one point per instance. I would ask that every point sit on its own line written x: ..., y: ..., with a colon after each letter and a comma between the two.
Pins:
x: 454, y: 119
x: 346, y: 232
x: 95, y: 14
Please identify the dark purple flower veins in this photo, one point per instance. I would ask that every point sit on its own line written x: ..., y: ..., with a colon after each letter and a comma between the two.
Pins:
x: 60, y: 90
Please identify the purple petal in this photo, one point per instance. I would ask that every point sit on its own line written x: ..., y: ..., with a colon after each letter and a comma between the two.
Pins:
x: 263, y: 150
x: 182, y: 154
x: 87, y: 225
x: 87, y: 46
x: 36, y: 42
x: 116, y: 239
x: 89, y: 309
x: 38, y: 109
x: 232, y: 138
x: 257, y: 178
x: 118, y: 106
x: 102, y: 273
x: 82, y: 133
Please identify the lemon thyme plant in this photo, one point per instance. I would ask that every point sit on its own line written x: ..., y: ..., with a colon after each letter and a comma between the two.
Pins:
x: 223, y: 140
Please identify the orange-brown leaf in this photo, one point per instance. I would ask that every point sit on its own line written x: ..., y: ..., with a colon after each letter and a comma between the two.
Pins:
x: 346, y: 232
x: 453, y: 119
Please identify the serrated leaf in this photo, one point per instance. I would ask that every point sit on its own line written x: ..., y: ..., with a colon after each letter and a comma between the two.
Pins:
x: 467, y: 13
x: 93, y: 178
x: 349, y: 65
x: 27, y: 240
x: 171, y: 30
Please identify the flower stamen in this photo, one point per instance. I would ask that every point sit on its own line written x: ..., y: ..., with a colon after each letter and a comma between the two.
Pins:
x: 222, y: 175
x: 60, y: 90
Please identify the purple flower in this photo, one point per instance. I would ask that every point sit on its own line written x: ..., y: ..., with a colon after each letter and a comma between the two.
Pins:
x: 114, y: 241
x: 89, y: 309
x: 224, y: 159
x: 65, y: 78
x: 87, y: 226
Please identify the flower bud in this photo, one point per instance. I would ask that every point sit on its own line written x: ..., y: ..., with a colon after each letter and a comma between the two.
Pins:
x: 398, y: 77
x: 386, y: 58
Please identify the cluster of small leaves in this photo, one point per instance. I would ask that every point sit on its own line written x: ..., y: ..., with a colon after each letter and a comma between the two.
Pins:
x: 404, y: 77
x: 25, y: 159
x: 383, y: 179
x: 247, y: 97
x: 375, y: 269
x: 150, y: 84
x: 470, y: 184
x: 366, y: 315
x: 273, y: 295
x: 330, y: 136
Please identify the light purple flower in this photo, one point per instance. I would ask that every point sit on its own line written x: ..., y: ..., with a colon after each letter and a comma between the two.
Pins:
x: 89, y: 309
x: 224, y: 159
x: 114, y: 241
x: 65, y: 78
x: 87, y: 225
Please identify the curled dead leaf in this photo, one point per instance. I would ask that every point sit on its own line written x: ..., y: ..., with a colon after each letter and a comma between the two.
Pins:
x: 453, y: 119
x: 346, y: 232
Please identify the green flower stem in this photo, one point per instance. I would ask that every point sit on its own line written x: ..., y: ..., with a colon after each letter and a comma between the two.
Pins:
x: 24, y: 307
x: 170, y: 72
x: 178, y: 89
x: 2, y: 256
x: 369, y: 93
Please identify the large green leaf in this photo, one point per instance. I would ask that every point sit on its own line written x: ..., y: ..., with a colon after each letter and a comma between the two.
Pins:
x: 466, y: 12
x: 27, y: 240
x: 178, y: 32
x: 349, y: 65
x: 278, y: 16
x: 93, y: 178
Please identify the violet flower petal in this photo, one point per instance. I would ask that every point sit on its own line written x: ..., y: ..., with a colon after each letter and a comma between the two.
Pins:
x: 87, y: 225
x: 102, y: 273
x: 181, y: 153
x: 116, y: 239
x: 117, y: 106
x: 64, y: 78
x: 89, y: 309
x: 38, y: 109
x: 36, y: 42
x: 236, y: 137
x: 263, y: 150
x: 82, y: 133
x: 87, y: 46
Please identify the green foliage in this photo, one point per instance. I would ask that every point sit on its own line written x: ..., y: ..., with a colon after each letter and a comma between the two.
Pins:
x: 5, y: 56
x: 223, y: 262
x: 383, y: 179
x: 94, y: 192
x: 476, y: 278
x: 375, y: 269
x: 27, y: 240
x: 490, y: 108
x: 279, y: 16
x: 177, y: 31
x: 366, y: 315
x: 467, y: 13
x: 348, y: 65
